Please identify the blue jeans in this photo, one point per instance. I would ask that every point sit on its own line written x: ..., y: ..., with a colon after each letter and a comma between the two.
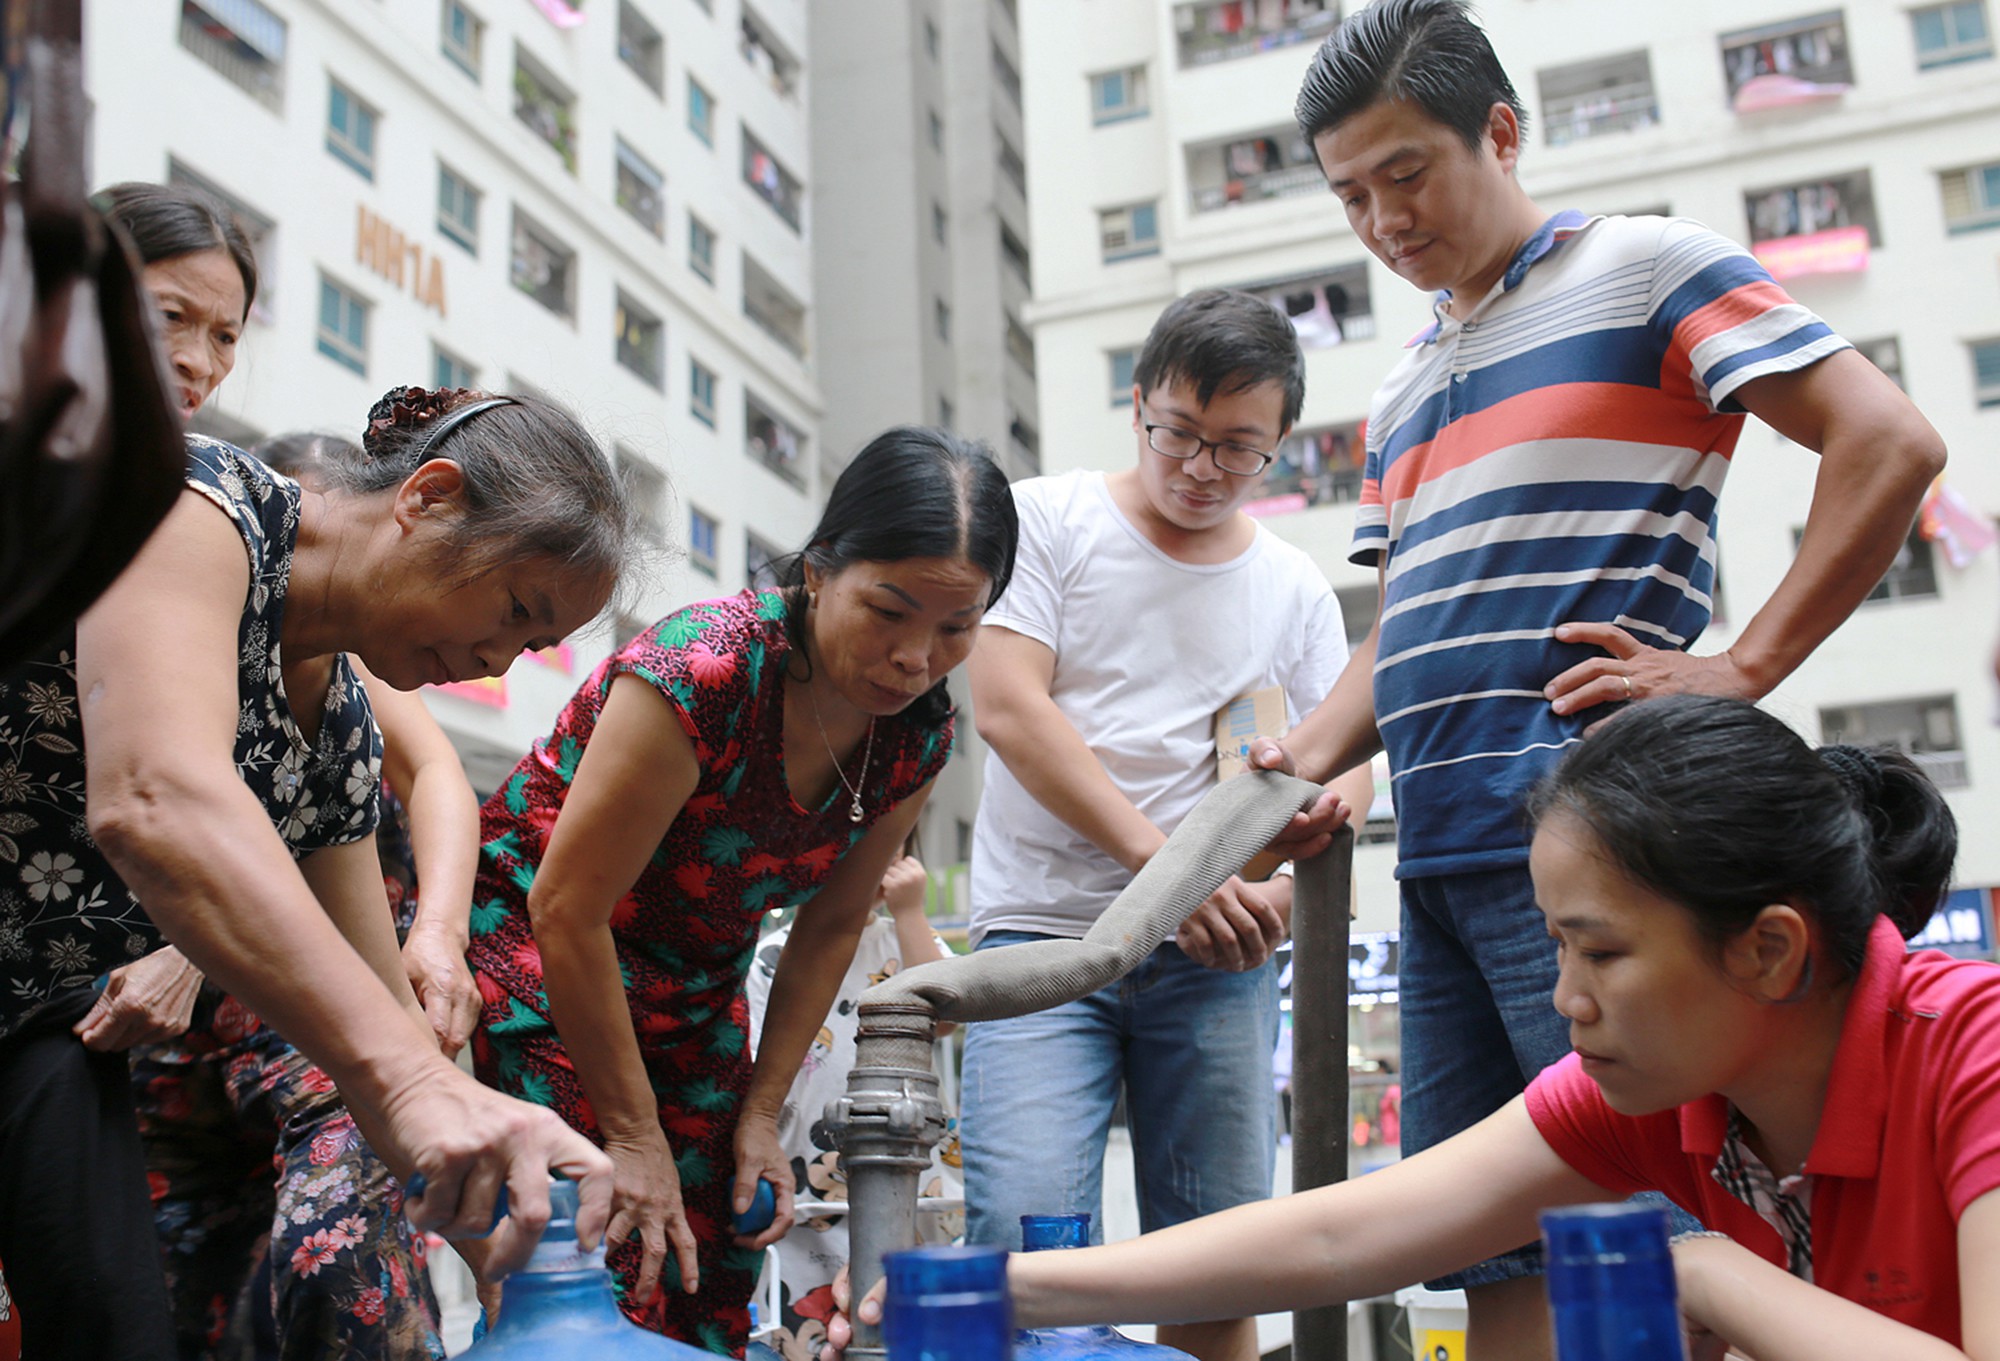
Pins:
x: 1192, y: 1047
x: 1478, y: 979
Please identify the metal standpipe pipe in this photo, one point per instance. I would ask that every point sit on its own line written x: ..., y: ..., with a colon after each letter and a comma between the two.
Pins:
x: 890, y: 1118
x: 1322, y: 897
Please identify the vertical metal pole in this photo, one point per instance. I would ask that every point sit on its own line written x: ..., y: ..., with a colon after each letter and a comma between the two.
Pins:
x: 1322, y: 894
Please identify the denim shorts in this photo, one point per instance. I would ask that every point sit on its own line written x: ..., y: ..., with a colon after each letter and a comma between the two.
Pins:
x: 1192, y: 1047
x: 1477, y: 991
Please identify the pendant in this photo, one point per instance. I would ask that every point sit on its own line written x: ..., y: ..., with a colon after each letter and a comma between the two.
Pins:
x: 854, y: 813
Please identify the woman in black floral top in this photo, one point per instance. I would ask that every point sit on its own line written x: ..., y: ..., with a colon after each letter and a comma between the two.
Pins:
x: 198, y: 744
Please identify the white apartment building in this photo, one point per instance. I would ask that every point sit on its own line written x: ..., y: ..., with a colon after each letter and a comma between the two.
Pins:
x: 1855, y: 147
x: 603, y: 202
x: 921, y: 240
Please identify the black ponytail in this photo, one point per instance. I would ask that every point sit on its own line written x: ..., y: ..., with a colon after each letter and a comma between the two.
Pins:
x: 1720, y: 807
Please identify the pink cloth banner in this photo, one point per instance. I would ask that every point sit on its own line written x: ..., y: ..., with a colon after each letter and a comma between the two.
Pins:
x: 1782, y: 92
x: 1837, y: 250
x: 559, y: 13
x: 1946, y: 520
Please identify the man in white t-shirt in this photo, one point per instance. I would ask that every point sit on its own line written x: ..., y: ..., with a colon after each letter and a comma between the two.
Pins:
x: 1143, y: 602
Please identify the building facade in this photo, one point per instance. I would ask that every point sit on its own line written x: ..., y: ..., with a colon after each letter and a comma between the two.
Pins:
x: 923, y: 263
x: 607, y: 204
x: 1855, y: 149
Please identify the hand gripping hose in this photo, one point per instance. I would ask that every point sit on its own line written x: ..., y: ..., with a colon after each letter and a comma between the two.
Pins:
x: 890, y: 1117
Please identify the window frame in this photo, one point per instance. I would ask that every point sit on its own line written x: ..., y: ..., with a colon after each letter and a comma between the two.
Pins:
x: 701, y: 262
x: 469, y: 56
x: 340, y: 142
x: 708, y: 560
x: 1136, y: 104
x: 650, y: 65
x: 461, y: 373
x: 1135, y: 247
x: 334, y: 341
x: 1956, y: 49
x: 625, y: 159
x: 701, y: 111
x: 629, y: 316
x: 701, y: 377
x: 451, y: 227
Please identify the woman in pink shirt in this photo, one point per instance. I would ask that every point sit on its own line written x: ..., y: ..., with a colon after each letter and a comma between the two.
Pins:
x: 1752, y: 1038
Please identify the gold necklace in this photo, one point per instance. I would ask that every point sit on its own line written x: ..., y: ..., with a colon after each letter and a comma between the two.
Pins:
x: 854, y: 810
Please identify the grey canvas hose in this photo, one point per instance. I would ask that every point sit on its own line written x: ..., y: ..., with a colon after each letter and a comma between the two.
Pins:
x: 890, y: 1117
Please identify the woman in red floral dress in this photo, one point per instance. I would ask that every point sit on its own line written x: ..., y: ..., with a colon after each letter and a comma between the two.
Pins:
x: 768, y: 750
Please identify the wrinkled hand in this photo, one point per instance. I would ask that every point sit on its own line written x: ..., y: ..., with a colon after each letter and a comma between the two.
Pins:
x: 470, y: 1140
x: 1236, y: 929
x: 758, y: 1154
x: 1309, y: 832
x: 903, y: 886
x: 1635, y: 671
x: 646, y: 1199
x: 146, y: 1001
x: 437, y: 971
x: 839, y: 1330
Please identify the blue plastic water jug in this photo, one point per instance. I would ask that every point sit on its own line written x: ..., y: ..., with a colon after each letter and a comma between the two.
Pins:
x: 560, y: 1306
x: 1611, y: 1284
x: 1042, y: 1233
x: 946, y: 1304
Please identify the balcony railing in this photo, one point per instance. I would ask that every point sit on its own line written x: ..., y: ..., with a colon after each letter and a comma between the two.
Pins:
x: 1292, y: 182
x: 1226, y: 30
x: 260, y: 76
x: 1587, y: 118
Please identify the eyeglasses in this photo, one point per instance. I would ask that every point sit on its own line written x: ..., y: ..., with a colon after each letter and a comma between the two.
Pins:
x: 1239, y: 460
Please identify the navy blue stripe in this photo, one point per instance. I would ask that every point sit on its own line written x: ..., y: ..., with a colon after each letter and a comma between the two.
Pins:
x: 1728, y: 273
x: 1662, y: 497
x: 1659, y: 603
x: 1818, y: 330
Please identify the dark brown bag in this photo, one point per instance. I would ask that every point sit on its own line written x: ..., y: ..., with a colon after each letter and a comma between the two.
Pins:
x: 92, y: 454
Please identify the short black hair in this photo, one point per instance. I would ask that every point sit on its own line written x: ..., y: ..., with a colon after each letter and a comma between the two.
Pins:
x: 167, y: 221
x: 1222, y: 339
x: 1428, y: 52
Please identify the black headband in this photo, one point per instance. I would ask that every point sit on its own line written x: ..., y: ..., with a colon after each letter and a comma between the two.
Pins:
x: 451, y: 422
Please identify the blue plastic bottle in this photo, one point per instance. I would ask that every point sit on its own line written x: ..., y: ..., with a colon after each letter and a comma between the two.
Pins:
x: 560, y: 1307
x: 1042, y: 1233
x: 947, y: 1304
x: 1611, y: 1284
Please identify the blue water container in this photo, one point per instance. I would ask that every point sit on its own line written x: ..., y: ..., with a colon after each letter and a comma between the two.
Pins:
x: 947, y: 1304
x: 1044, y: 1233
x: 1611, y: 1284
x: 560, y: 1306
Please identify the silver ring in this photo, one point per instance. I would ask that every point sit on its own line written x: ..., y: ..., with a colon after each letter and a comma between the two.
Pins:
x: 1628, y: 687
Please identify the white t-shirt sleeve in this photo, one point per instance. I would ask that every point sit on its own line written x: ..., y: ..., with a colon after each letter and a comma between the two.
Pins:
x: 1322, y: 655
x: 1032, y: 603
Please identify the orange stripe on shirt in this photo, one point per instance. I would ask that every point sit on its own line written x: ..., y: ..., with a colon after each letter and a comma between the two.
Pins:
x: 1745, y: 302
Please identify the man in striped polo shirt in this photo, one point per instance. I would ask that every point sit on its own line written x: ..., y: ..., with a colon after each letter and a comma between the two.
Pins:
x: 1539, y: 499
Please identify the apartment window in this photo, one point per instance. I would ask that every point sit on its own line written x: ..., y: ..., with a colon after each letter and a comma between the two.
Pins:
x: 770, y: 181
x: 450, y: 371
x: 704, y: 540
x: 1819, y: 226
x: 701, y: 249
x: 1913, y: 575
x: 936, y: 127
x: 701, y: 392
x: 947, y: 414
x: 701, y: 112
x: 1026, y: 439
x: 1326, y: 308
x: 1123, y: 364
x: 461, y: 36
x: 767, y: 56
x: 772, y: 309
x: 1006, y: 75
x: 941, y: 314
x: 1318, y: 467
x: 543, y: 267
x: 350, y: 129
x: 458, y: 208
x: 1015, y: 252
x: 242, y: 41
x: 1020, y: 346
x: 545, y: 107
x: 1951, y: 33
x: 1971, y: 198
x: 1226, y: 30
x: 940, y: 224
x: 1885, y: 354
x: 1118, y: 95
x: 1592, y: 98
x: 640, y: 190
x: 1275, y: 163
x: 1011, y: 164
x: 1926, y: 730
x: 931, y: 39
x: 760, y: 557
x: 1127, y: 232
x: 641, y: 341
x: 343, y: 326
x: 641, y: 48
x: 773, y: 441
x: 647, y: 488
x: 1986, y: 372
x: 1796, y: 61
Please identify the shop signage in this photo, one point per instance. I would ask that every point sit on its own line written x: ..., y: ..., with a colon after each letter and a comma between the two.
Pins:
x: 1837, y: 250
x: 1374, y: 961
x: 1962, y: 926
x: 395, y: 257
